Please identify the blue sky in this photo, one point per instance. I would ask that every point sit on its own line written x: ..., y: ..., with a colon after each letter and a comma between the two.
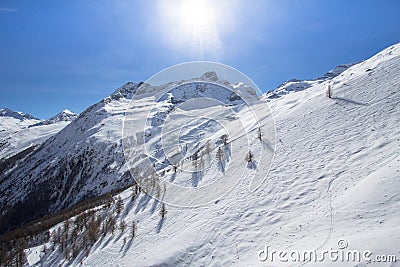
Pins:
x: 71, y: 54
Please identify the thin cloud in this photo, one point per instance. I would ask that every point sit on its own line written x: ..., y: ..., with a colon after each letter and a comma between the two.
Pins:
x: 8, y: 10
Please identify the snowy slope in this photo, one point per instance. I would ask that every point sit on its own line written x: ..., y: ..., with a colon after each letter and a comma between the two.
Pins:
x: 336, y: 175
x: 84, y: 159
x: 19, y: 132
x: 295, y: 85
x: 11, y: 121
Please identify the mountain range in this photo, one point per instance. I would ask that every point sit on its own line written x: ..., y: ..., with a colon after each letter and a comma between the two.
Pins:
x: 335, y: 173
x: 20, y: 131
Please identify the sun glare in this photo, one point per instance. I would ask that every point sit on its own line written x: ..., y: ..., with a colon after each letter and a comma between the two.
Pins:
x: 196, y: 15
x: 193, y: 26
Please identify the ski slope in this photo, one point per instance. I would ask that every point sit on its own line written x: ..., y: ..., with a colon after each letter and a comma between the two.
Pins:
x: 335, y: 175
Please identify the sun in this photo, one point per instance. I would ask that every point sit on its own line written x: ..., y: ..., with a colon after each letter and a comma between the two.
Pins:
x: 192, y: 26
x: 196, y: 15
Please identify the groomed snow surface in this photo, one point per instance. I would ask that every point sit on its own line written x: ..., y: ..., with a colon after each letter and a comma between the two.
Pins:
x: 335, y: 176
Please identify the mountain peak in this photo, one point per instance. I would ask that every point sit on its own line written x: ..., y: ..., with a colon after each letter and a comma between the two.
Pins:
x: 126, y: 91
x: 210, y: 76
x: 336, y: 71
x: 65, y: 115
x: 67, y: 111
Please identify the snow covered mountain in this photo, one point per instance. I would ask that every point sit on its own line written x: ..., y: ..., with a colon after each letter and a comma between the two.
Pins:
x: 19, y: 131
x: 6, y: 112
x: 12, y: 121
x: 295, y: 85
x: 82, y: 160
x: 335, y: 177
x: 65, y: 115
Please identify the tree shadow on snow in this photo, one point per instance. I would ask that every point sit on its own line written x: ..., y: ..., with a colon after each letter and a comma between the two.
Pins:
x: 144, y: 201
x: 173, y: 176
x: 196, y: 177
x: 97, y: 244
x: 107, y: 241
x: 228, y: 152
x: 252, y: 165
x: 128, y: 208
x: 127, y: 246
x: 349, y: 101
x: 119, y: 236
x: 267, y: 145
x: 221, y: 165
x: 154, y: 206
x: 160, y: 225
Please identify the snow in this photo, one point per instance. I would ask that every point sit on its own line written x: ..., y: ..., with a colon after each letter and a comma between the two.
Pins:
x: 10, y: 126
x: 28, y: 137
x: 335, y: 175
x: 64, y: 115
x: 19, y: 131
x: 295, y: 85
x: 33, y: 255
x: 6, y: 112
x: 67, y: 111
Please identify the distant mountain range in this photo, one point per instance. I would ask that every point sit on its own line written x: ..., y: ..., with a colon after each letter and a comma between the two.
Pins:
x: 6, y: 112
x: 19, y: 131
